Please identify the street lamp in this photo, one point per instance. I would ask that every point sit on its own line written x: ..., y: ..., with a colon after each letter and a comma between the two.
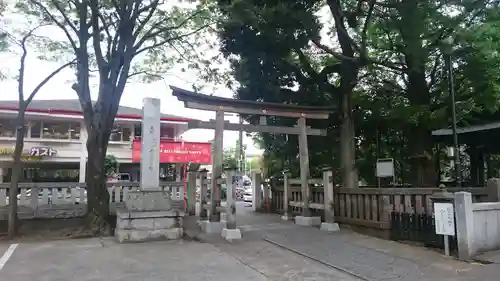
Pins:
x: 447, y: 50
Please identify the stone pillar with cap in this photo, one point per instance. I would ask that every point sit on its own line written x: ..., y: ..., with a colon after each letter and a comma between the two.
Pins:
x: 203, y: 195
x: 287, y: 193
x: 329, y: 224
x: 150, y: 213
x: 256, y: 191
x: 230, y: 232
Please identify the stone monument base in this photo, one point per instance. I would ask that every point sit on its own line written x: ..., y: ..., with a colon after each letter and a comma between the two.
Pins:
x: 308, y: 221
x: 148, y: 216
x: 330, y: 226
x: 231, y: 234
x: 212, y: 226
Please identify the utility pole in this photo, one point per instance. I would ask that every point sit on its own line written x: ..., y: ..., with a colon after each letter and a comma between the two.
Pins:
x: 447, y: 50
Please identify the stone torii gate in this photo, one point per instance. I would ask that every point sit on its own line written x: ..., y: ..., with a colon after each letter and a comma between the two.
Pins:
x: 263, y: 109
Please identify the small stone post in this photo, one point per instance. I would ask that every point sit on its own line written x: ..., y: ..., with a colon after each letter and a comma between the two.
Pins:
x: 191, y: 193
x: 178, y: 172
x: 203, y: 195
x: 286, y: 196
x: 230, y: 200
x: 230, y: 232
x: 266, y: 197
x: 465, y: 225
x: 329, y: 224
x: 493, y: 190
x: 256, y: 191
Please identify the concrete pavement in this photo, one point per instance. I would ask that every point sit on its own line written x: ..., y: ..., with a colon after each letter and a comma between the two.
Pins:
x: 270, y: 250
x: 344, y: 255
x: 104, y: 259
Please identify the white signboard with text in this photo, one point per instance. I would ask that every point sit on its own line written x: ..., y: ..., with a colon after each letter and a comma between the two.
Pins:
x: 445, y: 219
x: 385, y: 168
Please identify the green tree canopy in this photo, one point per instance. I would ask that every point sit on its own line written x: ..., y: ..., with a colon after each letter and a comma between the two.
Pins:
x: 380, y: 62
x: 120, y: 40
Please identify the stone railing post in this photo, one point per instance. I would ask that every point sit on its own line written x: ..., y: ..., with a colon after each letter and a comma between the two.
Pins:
x: 34, y: 197
x: 286, y: 196
x: 191, y: 193
x: 266, y: 190
x: 203, y: 195
x: 465, y: 225
x: 231, y: 199
x: 328, y: 199
x: 493, y: 190
x: 230, y: 232
x: 256, y: 191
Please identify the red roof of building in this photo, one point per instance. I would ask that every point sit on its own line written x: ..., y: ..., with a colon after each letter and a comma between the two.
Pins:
x: 72, y: 107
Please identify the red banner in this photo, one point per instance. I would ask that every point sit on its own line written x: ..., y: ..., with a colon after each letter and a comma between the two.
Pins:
x: 177, y: 152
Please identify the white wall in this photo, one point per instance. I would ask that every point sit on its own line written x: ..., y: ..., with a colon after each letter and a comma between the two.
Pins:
x: 486, y: 221
x: 477, y: 224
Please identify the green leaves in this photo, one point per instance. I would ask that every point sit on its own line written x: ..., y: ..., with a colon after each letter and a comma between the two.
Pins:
x: 402, y: 93
x: 110, y: 164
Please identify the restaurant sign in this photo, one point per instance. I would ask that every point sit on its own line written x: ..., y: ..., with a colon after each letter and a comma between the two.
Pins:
x: 34, y: 153
x: 177, y: 152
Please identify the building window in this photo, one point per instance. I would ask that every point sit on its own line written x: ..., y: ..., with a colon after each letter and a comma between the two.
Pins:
x: 74, y: 131
x: 126, y: 133
x: 166, y: 132
x: 138, y: 130
x: 116, y: 133
x: 7, y: 128
x: 59, y: 131
x: 120, y: 133
x: 36, y: 129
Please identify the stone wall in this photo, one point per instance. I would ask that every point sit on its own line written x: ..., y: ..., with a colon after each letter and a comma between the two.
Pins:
x: 477, y: 224
x: 486, y: 218
x: 146, y: 226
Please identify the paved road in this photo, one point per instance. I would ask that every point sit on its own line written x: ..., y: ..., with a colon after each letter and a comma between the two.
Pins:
x: 364, y: 257
x: 273, y: 262
x: 95, y: 259
x: 104, y: 259
x: 302, y: 254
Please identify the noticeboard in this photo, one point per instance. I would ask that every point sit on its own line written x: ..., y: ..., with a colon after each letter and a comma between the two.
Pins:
x: 445, y: 219
x: 385, y: 168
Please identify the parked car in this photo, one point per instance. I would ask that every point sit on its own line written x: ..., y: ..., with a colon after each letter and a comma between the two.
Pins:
x: 119, y: 177
x: 248, y: 195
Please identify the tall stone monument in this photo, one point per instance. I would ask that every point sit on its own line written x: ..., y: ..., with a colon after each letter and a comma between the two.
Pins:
x: 149, y: 213
x: 150, y: 145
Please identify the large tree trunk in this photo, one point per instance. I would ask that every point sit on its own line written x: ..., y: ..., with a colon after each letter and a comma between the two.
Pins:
x: 422, y: 163
x: 16, y: 173
x: 347, y: 143
x: 97, y: 193
x: 420, y: 141
x: 412, y: 26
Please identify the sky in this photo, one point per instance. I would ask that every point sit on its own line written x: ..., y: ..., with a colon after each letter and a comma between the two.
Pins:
x: 59, y: 87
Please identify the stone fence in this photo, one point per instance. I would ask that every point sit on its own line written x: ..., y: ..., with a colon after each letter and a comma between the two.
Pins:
x: 367, y: 208
x: 65, y: 200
